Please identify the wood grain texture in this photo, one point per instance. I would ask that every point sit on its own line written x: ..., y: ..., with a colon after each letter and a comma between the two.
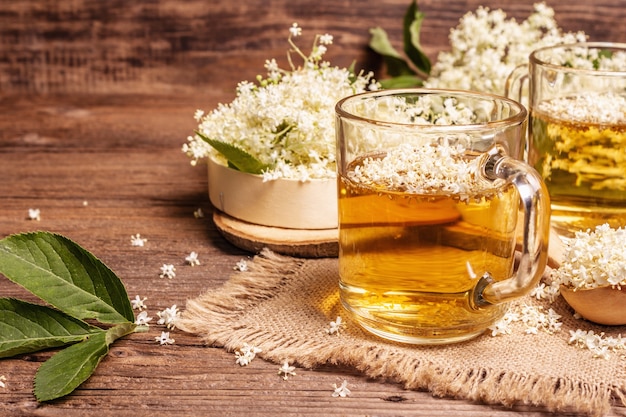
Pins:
x: 166, y: 45
x: 99, y: 155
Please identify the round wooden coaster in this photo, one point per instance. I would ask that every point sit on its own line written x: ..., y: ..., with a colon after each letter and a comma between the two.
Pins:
x: 293, y: 242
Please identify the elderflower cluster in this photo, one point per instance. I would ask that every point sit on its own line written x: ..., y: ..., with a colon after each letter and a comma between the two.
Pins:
x: 486, y: 47
x: 440, y: 168
x: 594, y: 259
x: 287, y: 121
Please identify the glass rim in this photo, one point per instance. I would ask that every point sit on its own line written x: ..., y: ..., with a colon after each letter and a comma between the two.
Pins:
x: 534, y: 58
x: 515, y: 119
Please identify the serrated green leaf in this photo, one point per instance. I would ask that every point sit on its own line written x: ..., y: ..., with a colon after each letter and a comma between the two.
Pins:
x: 66, y: 276
x: 395, y: 63
x: 67, y: 369
x: 411, y: 32
x: 237, y: 157
x: 26, y: 327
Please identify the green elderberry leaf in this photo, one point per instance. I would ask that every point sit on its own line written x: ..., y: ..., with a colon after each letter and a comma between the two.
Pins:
x: 67, y: 369
x: 411, y: 31
x: 395, y: 63
x: 66, y: 276
x: 26, y: 328
x: 237, y: 157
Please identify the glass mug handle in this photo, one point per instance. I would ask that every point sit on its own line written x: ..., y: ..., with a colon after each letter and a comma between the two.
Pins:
x: 534, y: 253
x: 514, y: 86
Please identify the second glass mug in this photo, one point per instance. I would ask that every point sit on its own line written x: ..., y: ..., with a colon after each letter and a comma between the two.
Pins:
x: 577, y: 130
x: 430, y: 183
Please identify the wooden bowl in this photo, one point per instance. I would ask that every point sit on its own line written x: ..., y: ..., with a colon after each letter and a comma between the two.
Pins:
x: 284, y: 203
x: 602, y: 305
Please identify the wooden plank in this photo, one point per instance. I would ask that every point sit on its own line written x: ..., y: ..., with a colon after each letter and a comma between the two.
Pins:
x: 161, y: 46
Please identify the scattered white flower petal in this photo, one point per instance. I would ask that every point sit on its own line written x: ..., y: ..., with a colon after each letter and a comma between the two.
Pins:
x: 335, y: 326
x: 137, y: 240
x: 286, y: 370
x: 241, y: 266
x: 599, y: 344
x: 143, y: 319
x: 2, y: 381
x: 342, y: 390
x: 138, y: 303
x: 534, y: 319
x: 34, y: 214
x: 169, y: 316
x: 168, y: 271
x: 198, y: 214
x: 165, y: 339
x: 192, y: 259
x: 246, y: 354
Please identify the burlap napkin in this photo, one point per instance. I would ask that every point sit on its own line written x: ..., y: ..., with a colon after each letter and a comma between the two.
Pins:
x: 284, y: 305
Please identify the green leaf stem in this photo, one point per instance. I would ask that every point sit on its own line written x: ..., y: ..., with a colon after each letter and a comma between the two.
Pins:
x: 67, y: 369
x: 26, y: 328
x: 66, y: 276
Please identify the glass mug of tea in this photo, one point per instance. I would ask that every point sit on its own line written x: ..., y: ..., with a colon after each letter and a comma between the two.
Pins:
x: 577, y: 130
x: 429, y: 188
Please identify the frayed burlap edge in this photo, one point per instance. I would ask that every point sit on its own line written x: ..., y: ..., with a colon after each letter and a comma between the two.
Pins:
x: 209, y: 314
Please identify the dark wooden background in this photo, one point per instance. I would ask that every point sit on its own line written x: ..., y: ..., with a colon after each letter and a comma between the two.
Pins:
x: 96, y: 99
x: 173, y: 46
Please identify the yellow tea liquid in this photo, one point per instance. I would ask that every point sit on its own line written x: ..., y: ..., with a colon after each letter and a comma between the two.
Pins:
x: 584, y: 167
x: 408, y: 262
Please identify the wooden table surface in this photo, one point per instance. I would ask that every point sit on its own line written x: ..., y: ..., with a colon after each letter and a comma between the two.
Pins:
x: 102, y: 164
x: 103, y: 168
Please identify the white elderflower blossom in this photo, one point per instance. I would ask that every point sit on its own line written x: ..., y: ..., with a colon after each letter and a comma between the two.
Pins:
x: 600, y: 345
x: 246, y: 354
x: 533, y: 318
x: 143, y: 319
x: 198, y: 214
x: 34, y: 214
x: 342, y: 390
x: 594, y: 259
x: 138, y: 303
x: 295, y: 30
x: 286, y: 121
x: 137, y: 240
x: 164, y: 339
x: 335, y: 326
x: 486, y: 47
x: 168, y: 271
x: 241, y: 265
x: 169, y: 316
x: 286, y: 370
x: 326, y: 39
x: 192, y: 259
